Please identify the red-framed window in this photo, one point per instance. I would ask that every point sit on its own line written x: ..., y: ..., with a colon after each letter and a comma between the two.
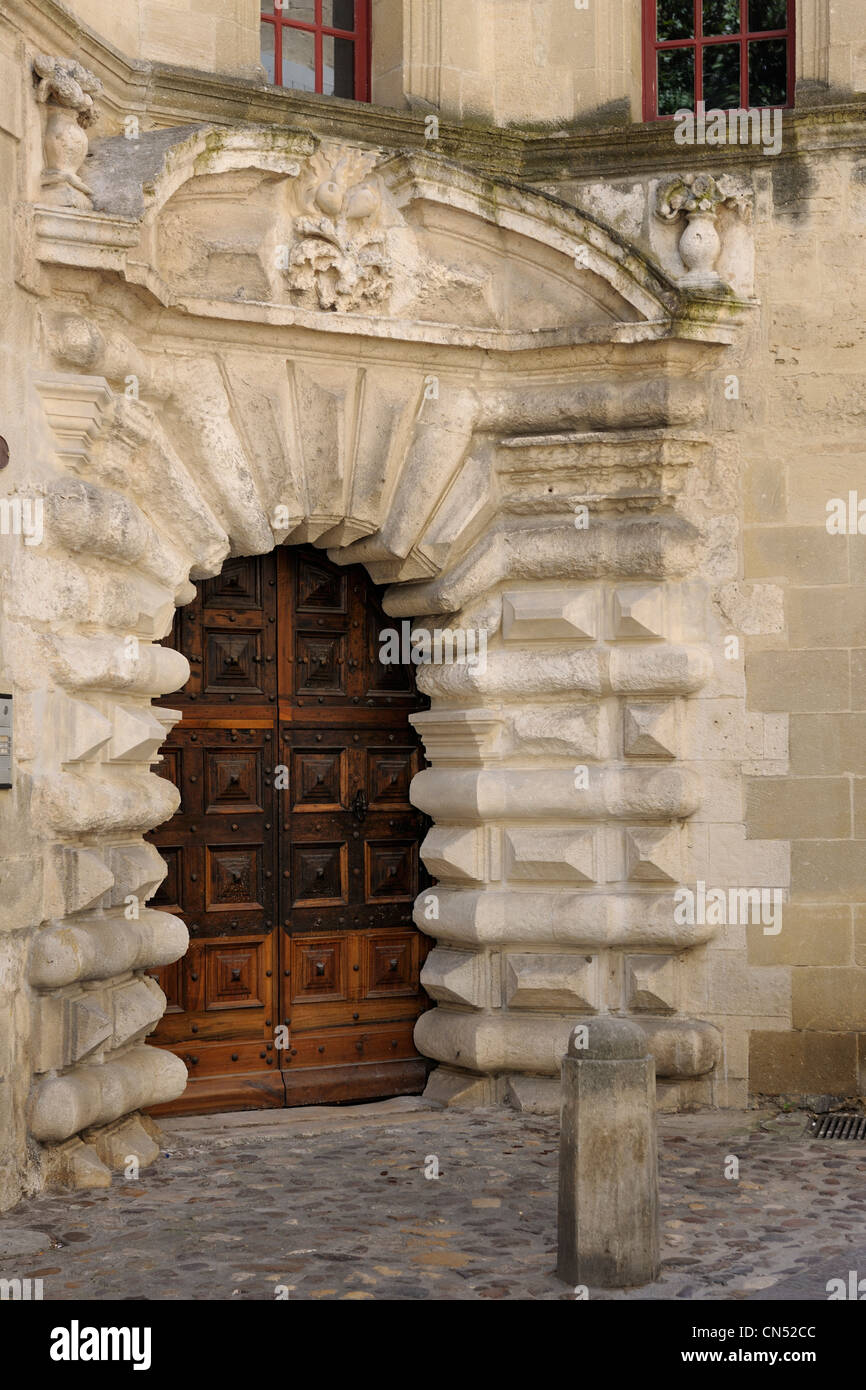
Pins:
x: 318, y: 46
x: 730, y: 54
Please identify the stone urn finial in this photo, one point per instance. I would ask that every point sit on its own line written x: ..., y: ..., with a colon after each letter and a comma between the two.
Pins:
x: 67, y: 90
x: 696, y: 198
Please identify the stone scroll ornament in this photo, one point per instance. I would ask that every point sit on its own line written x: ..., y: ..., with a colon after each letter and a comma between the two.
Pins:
x: 696, y: 199
x: 338, y: 259
x: 67, y: 90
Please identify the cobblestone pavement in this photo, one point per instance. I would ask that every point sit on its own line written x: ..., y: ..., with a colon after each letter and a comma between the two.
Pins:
x: 334, y: 1204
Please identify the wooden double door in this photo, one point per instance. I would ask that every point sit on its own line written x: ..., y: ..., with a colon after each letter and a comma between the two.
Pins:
x: 293, y: 857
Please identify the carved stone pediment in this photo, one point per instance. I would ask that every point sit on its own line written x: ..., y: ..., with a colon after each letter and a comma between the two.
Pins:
x: 277, y: 227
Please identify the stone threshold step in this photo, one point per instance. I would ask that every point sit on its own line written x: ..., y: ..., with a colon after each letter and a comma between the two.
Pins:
x: 301, y: 1119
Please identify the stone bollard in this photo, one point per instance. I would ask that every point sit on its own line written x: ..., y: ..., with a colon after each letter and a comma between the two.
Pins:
x: 608, y: 1228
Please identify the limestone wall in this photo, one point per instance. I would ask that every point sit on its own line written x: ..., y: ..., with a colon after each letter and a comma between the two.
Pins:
x: 218, y: 37
x: 509, y: 61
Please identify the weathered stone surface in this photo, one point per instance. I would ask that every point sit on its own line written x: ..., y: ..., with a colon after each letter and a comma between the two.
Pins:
x: 100, y: 948
x: 497, y: 397
x: 75, y: 1165
x: 64, y: 1105
x: 608, y: 1216
x: 119, y: 1144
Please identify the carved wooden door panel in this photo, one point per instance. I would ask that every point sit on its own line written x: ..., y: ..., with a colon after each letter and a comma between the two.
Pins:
x: 293, y: 857
x: 351, y: 956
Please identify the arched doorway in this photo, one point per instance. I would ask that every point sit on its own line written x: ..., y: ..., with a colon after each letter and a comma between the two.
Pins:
x: 293, y: 857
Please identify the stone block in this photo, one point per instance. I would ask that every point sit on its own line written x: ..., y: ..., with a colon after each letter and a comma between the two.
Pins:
x: 791, y: 1063
x: 810, y: 935
x: 83, y: 877
x: 543, y: 614
x: 826, y: 618
x: 119, y: 1143
x: 682, y: 1048
x: 21, y: 892
x: 541, y: 981
x: 651, y: 984
x: 138, y: 871
x: 462, y: 1090
x: 737, y: 988
x: 638, y: 612
x: 650, y: 729
x: 550, y: 853
x: 460, y: 977
x: 137, y: 1007
x: 662, y: 669
x: 654, y: 855
x: 736, y: 861
x: 764, y: 495
x: 752, y: 609
x: 102, y: 947
x: 454, y: 853
x: 75, y: 1165
x: 797, y: 682
x: 137, y: 737
x: 533, y: 1095
x: 561, y: 730
x: 829, y: 998
x: 828, y: 869
x: 719, y: 730
x: 65, y: 1029
x: 823, y: 745
x: 84, y: 731
x: 799, y: 554
x: 89, y: 1096
x: 798, y: 808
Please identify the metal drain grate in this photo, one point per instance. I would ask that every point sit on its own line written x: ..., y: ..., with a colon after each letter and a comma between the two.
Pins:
x: 839, y: 1127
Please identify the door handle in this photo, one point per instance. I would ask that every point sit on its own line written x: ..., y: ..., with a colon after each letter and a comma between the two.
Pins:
x: 360, y: 804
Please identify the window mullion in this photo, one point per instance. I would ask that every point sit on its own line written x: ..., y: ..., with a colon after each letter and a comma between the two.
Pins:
x: 744, y: 55
x: 699, y: 52
x: 360, y: 53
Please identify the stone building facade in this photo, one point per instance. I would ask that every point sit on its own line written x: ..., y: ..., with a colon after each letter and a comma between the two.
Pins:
x: 548, y: 371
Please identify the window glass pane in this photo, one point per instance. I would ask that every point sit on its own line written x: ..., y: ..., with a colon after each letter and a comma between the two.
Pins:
x: 768, y: 14
x: 267, y: 7
x: 676, y: 80
x: 722, y: 76
x: 338, y: 67
x: 302, y: 10
x: 299, y: 59
x: 721, y: 17
x: 338, y: 14
x: 268, y: 50
x: 768, y: 72
x: 675, y: 19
